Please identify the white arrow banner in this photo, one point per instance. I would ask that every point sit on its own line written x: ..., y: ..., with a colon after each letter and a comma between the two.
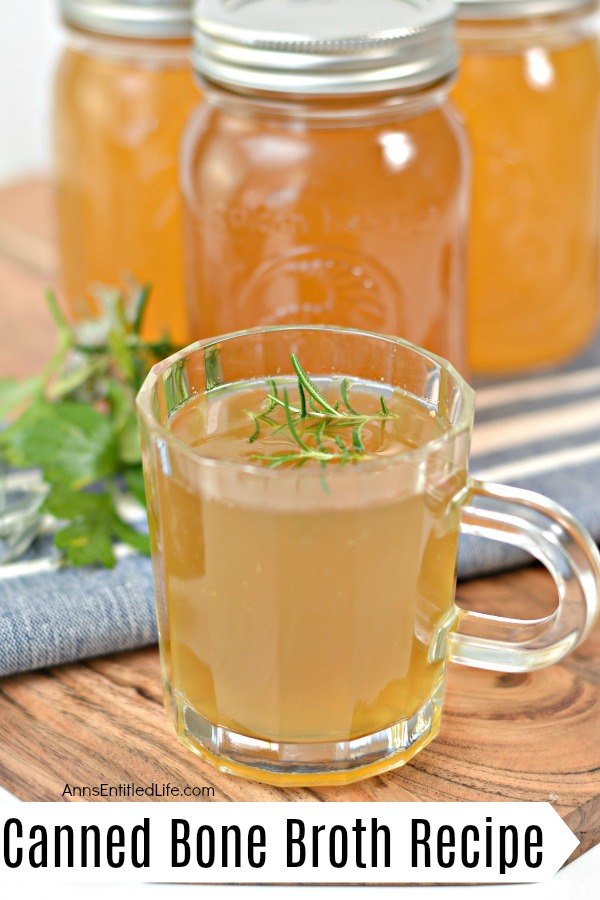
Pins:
x: 343, y: 843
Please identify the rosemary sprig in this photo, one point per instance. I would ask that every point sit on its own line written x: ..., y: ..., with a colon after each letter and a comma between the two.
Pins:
x: 314, y: 424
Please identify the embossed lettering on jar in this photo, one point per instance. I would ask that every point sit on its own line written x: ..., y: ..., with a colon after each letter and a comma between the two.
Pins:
x: 529, y: 88
x: 325, y: 175
x: 124, y: 91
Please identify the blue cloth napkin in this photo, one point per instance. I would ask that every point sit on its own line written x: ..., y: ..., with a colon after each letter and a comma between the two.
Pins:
x: 541, y: 432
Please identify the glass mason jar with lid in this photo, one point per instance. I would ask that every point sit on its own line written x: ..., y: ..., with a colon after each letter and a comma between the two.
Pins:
x: 529, y: 89
x: 124, y: 91
x: 325, y: 177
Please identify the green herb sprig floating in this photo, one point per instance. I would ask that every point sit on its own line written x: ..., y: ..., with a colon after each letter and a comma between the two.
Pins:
x: 76, y: 422
x: 322, y: 431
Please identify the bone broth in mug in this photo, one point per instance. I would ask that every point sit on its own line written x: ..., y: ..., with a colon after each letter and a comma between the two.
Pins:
x: 306, y: 489
x: 227, y: 595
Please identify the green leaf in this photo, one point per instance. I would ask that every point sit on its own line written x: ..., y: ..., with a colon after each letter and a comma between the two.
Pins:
x: 357, y: 440
x: 121, y: 398
x: 71, y: 442
x: 86, y: 544
x: 274, y: 402
x: 319, y: 434
x: 62, y: 325
x: 313, y: 405
x: 14, y: 393
x: 256, y: 433
x: 302, y: 401
x: 93, y: 523
x: 121, y: 352
x: 290, y: 422
x: 123, y: 415
x: 311, y: 388
x: 342, y: 446
x: 140, y: 304
x: 344, y: 393
x: 64, y: 503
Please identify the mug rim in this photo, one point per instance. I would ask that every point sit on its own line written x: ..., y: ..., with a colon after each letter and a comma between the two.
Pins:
x: 144, y: 408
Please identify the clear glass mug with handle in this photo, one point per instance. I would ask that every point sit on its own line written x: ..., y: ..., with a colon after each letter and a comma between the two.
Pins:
x: 306, y: 612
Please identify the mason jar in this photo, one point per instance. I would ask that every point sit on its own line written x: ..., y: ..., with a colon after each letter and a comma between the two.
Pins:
x: 529, y: 89
x: 325, y: 175
x: 123, y: 93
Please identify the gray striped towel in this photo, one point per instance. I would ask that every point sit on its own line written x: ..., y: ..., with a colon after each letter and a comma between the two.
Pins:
x: 541, y: 432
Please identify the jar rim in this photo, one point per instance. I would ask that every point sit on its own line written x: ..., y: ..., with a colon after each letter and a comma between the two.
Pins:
x: 153, y: 19
x: 344, y: 47
x: 479, y: 10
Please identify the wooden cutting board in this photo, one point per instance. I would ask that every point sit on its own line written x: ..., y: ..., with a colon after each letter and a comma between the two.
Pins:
x: 504, y: 737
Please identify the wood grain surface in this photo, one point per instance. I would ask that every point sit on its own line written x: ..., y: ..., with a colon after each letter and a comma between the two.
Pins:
x: 504, y: 737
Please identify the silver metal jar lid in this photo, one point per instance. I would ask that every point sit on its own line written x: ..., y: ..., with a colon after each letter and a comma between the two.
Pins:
x: 517, y: 9
x: 324, y: 47
x: 130, y: 18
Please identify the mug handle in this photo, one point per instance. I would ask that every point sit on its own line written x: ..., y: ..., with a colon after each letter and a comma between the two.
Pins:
x: 551, y: 534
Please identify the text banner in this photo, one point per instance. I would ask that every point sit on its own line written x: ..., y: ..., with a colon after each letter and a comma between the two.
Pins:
x: 343, y: 843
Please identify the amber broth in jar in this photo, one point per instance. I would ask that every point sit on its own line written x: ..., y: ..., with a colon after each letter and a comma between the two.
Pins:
x: 357, y: 223
x: 120, y: 109
x: 532, y: 108
x: 325, y: 178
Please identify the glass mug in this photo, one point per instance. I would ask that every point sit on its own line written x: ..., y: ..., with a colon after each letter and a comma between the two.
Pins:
x: 306, y: 614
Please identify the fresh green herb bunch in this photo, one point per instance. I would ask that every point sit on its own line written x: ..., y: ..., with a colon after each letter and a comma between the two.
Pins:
x: 76, y: 422
x: 322, y: 431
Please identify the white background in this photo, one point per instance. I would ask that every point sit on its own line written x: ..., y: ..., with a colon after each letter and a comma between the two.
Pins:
x: 30, y: 40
